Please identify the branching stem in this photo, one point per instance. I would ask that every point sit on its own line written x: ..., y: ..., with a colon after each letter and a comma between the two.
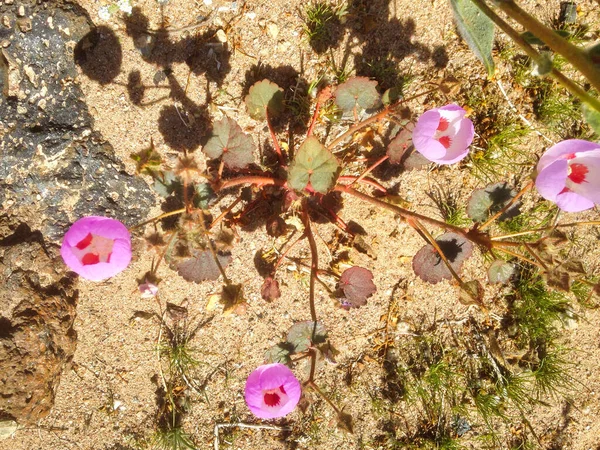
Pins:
x: 507, y: 206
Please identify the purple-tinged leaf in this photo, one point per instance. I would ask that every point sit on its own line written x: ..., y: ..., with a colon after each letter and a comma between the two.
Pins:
x: 357, y: 285
x: 398, y: 147
x: 303, y: 335
x: 358, y: 92
x: 228, y: 139
x: 264, y: 95
x: 428, y: 264
x: 500, y: 271
x: 202, y: 266
x: 270, y: 289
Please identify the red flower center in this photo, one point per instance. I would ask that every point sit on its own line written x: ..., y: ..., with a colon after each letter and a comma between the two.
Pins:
x: 271, y: 399
x: 445, y: 141
x: 443, y: 125
x: 93, y: 249
x: 577, y: 173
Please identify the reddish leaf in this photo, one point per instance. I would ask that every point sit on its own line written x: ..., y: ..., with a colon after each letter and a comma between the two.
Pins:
x: 398, y: 147
x: 357, y: 285
x: 228, y: 139
x: 428, y: 264
x: 202, y: 266
x: 270, y: 289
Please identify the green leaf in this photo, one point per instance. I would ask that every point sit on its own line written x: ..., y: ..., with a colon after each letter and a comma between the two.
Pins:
x: 476, y: 29
x: 147, y: 158
x: 279, y: 353
x: 357, y: 92
x: 304, y: 334
x: 228, y: 139
x: 500, y: 271
x: 314, y: 165
x: 592, y: 117
x: 491, y: 199
x: 264, y: 95
x: 166, y: 183
x: 205, y: 196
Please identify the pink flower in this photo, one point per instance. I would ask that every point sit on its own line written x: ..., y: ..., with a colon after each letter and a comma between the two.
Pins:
x: 569, y: 175
x: 443, y: 135
x: 148, y: 290
x: 96, y: 248
x: 272, y: 391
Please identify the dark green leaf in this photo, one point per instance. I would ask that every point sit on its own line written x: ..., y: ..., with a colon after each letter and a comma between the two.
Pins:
x: 205, y: 196
x: 264, y: 95
x: 357, y: 92
x: 166, y: 183
x: 228, y: 139
x: 477, y: 30
x: 491, y: 199
x: 147, y: 158
x: 391, y: 95
x: 302, y: 335
x: 279, y: 353
x: 314, y: 165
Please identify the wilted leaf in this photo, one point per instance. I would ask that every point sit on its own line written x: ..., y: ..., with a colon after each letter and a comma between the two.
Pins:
x: 398, y: 146
x: 202, y: 266
x: 476, y: 29
x: 279, y: 353
x: 592, y: 117
x: 313, y: 166
x: 500, y: 271
x: 357, y: 92
x: 428, y: 264
x: 262, y: 95
x: 491, y: 199
x: 228, y: 139
x: 300, y: 335
x: 471, y: 293
x: 573, y: 266
x: 357, y: 285
x: 558, y: 279
x: 176, y: 312
x: 205, y: 196
x: 233, y: 299
x: 328, y: 351
x: 344, y: 421
x: 270, y: 289
x: 147, y: 158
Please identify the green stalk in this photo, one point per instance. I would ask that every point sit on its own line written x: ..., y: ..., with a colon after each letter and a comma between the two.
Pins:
x: 572, y: 53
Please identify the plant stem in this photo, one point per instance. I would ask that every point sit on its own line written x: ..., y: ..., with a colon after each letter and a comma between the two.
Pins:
x: 567, y: 83
x: 323, y: 96
x: 154, y: 219
x: 521, y: 257
x: 316, y: 388
x: 275, y: 142
x: 225, y: 212
x: 539, y: 230
x: 575, y: 55
x: 314, y: 264
x: 507, y: 206
x: 367, y: 181
x: 252, y: 179
x: 370, y: 169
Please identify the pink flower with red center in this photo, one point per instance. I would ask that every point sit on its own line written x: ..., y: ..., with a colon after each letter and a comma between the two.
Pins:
x: 443, y: 135
x: 97, y: 248
x: 272, y: 391
x: 569, y: 175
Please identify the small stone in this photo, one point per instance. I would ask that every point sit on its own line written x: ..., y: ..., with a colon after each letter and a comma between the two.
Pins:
x: 221, y: 36
x: 6, y: 21
x: 21, y: 11
x: 24, y: 24
x: 4, y: 43
x: 272, y: 30
x: 8, y: 2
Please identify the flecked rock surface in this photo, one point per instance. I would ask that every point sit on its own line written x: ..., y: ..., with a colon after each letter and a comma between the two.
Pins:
x: 54, y: 168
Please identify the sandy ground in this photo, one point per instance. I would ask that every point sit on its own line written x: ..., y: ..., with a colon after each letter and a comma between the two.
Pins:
x: 108, y: 398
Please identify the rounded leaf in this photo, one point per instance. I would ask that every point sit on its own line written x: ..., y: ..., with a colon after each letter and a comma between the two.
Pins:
x: 229, y: 140
x: 304, y: 334
x: 500, y: 271
x: 358, y: 92
x: 264, y: 95
x: 357, y: 285
x: 491, y: 199
x: 314, y: 168
x: 428, y: 264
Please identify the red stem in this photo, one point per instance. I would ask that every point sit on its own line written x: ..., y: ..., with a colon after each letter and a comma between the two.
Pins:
x: 275, y: 142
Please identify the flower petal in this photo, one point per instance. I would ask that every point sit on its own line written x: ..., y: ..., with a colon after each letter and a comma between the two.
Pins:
x: 573, y: 202
x: 271, y: 377
x: 590, y: 187
x: 558, y: 151
x: 459, y: 144
x: 423, y: 136
x: 551, y: 180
